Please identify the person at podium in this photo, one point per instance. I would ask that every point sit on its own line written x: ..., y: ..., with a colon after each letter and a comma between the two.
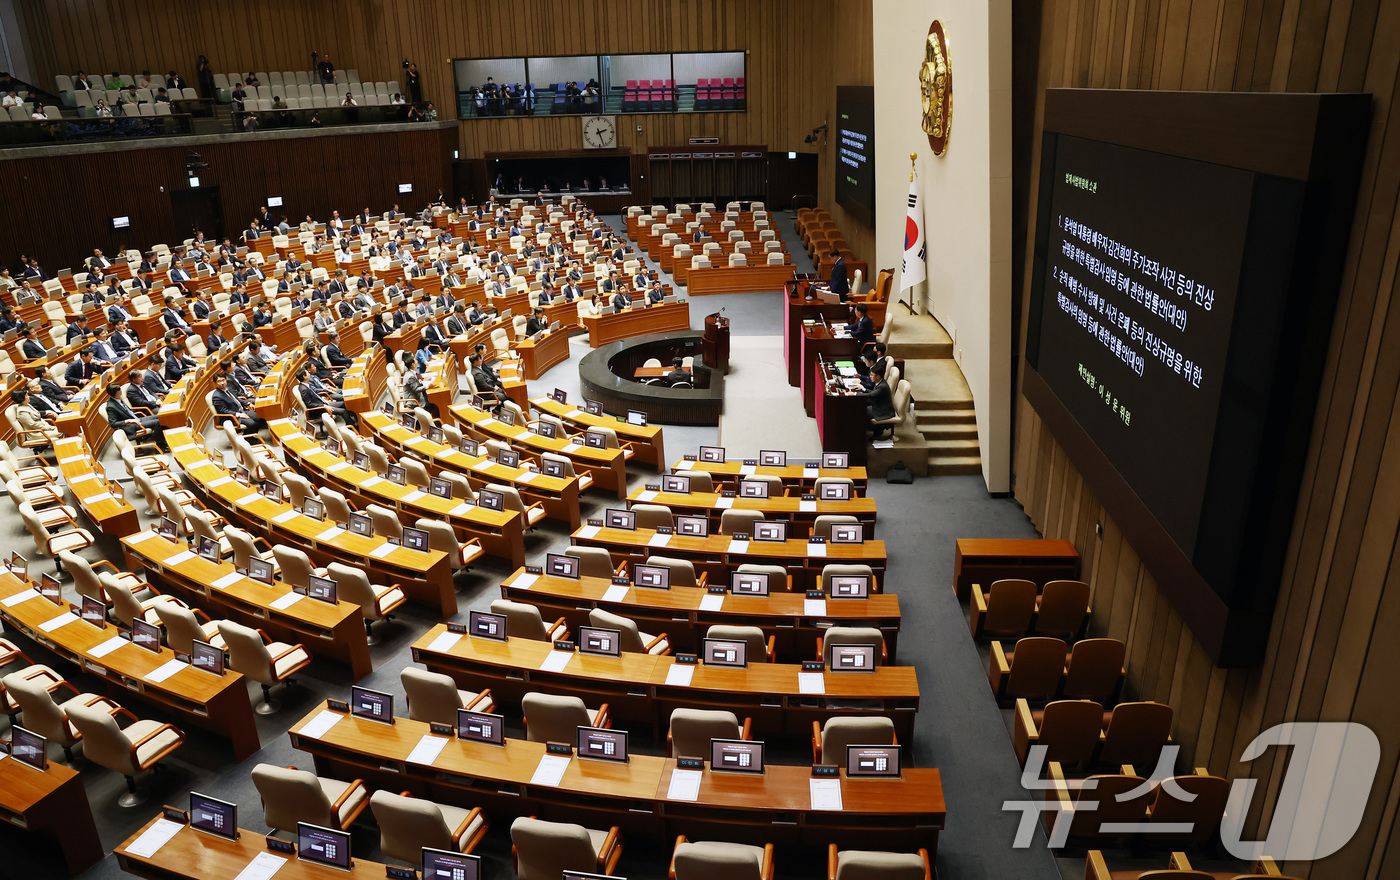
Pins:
x: 838, y: 281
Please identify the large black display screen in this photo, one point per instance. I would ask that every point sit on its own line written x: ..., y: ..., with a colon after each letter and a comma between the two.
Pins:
x: 1142, y: 269
x: 854, y: 134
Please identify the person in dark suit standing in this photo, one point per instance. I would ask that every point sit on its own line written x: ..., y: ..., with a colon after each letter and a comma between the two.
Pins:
x: 880, y: 404
x: 228, y: 406
x: 123, y: 418
x: 862, y: 327
x: 838, y: 282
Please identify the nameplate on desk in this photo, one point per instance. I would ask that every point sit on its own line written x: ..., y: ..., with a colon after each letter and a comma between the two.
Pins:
x: 524, y: 581
x: 687, y: 659
x: 563, y: 645
x: 393, y: 872
x: 282, y: 846
x: 688, y: 763
x: 182, y: 556
x: 680, y: 675
x: 826, y: 771
x: 427, y: 750
x: 441, y: 729
x: 459, y: 628
x: 812, y: 666
x: 556, y: 661
x: 534, y: 569
x: 221, y: 481
x: 330, y: 534
x: 164, y: 671
x: 558, y: 748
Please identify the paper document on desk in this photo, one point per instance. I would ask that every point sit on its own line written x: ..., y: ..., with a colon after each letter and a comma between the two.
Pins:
x: 806, y: 506
x: 141, y: 536
x: 338, y: 466
x: 588, y: 531
x: 524, y: 581
x: 153, y: 838
x: 182, y: 556
x: 330, y: 534
x: 737, y: 546
x: 556, y: 661
x: 282, y: 603
x: 58, y: 622
x: 414, y: 495
x: 814, y: 607
x: 712, y: 602
x: 427, y: 750
x: 684, y: 464
x: 369, y: 482
x: 444, y: 642
x: 811, y: 683
x: 526, y: 476
x: 22, y: 596
x: 570, y: 447
x: 724, y: 502
x: 748, y: 469
x: 615, y: 593
x: 679, y: 675
x: 107, y: 647
x: 461, y: 509
x: 318, y: 726
x: 227, y: 581
x: 646, y: 495
x: 262, y: 867
x: 164, y: 671
x: 816, y: 549
x: 550, y: 770
x: 826, y: 794
x: 383, y: 550
x: 658, y: 540
x: 82, y: 478
x: 685, y: 785
x: 849, y: 371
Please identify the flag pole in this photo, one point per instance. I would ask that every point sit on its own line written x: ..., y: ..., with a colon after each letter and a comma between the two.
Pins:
x: 908, y: 302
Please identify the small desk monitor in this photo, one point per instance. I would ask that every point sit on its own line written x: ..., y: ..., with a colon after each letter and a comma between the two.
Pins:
x: 852, y: 658
x: 213, y: 816
x: 559, y: 395
x: 486, y: 625
x: 260, y: 570
x: 409, y: 421
x: 30, y: 748
x: 507, y: 418
x: 491, y: 499
x: 836, y: 459
x: 848, y: 533
x: 602, y: 745
x: 242, y: 475
x: 593, y: 407
x: 359, y: 460
x: 725, y: 652
x: 321, y: 588
x: 636, y: 419
x: 332, y: 445
x: 169, y: 529
x: 753, y: 489
x: 508, y: 457
x: 481, y: 727
x: 597, y: 640
x: 712, y: 454
x: 736, y: 756
x: 51, y: 588
x: 94, y: 612
x: 872, y: 762
x: 207, y: 657
x: 436, y: 434
x: 657, y: 577
x: 373, y: 705
x: 554, y: 467
x: 207, y: 548
x: 547, y: 429
x: 324, y: 845
x: 468, y: 446
x: 693, y: 526
x: 20, y: 566
x: 835, y: 492
x: 397, y: 474
x: 559, y: 565
x: 415, y: 539
x: 749, y: 583
x: 147, y: 635
x: 620, y: 519
x: 766, y: 530
x: 595, y: 439
x: 677, y: 483
x: 850, y: 586
x: 440, y: 488
x: 772, y: 458
x: 271, y: 490
x: 444, y: 864
x: 361, y: 524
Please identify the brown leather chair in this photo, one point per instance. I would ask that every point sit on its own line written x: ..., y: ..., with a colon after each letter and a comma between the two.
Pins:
x: 1032, y: 670
x: 1094, y: 670
x: 1062, y: 609
x: 1069, y: 729
x: 1202, y: 814
x: 1005, y: 610
x: 1104, y: 799
x: 1178, y: 868
x: 1134, y: 733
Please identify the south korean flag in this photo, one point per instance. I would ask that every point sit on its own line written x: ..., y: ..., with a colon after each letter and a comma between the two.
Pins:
x: 914, y: 269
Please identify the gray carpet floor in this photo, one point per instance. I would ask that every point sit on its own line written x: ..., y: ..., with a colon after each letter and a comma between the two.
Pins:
x: 959, y: 728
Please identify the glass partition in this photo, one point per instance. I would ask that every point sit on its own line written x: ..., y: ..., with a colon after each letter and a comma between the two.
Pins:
x: 490, y: 87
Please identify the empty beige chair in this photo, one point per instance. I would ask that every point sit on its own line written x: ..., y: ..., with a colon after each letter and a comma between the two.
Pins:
x: 837, y: 569
x: 699, y: 480
x: 524, y: 622
x: 653, y: 516
x: 266, y: 662
x: 245, y: 547
x: 1062, y: 609
x: 735, y: 522
x: 295, y: 566
x: 776, y: 489
x: 386, y: 521
x: 129, y: 750
x: 298, y: 489
x: 85, y: 579
x: 835, y: 481
x: 184, y: 625
x: 1005, y: 610
x: 545, y: 850
x: 532, y: 513
x: 585, y: 480
x: 821, y: 527
x: 854, y: 864
x: 443, y: 537
x: 852, y: 635
x: 407, y: 824
x: 433, y: 696
x: 551, y: 718
x: 760, y: 649
x: 128, y: 604
x: 45, y: 716
x: 692, y: 729
x: 593, y: 561
x: 376, y: 602
x: 682, y: 571
x: 829, y: 740
x: 337, y: 508
x: 202, y: 525
x: 778, y: 579
x: 708, y: 859
x: 50, y: 540
x: 290, y: 796
x: 633, y: 640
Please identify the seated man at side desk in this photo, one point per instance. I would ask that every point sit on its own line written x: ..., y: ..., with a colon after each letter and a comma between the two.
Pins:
x: 487, y: 385
x: 228, y: 406
x: 655, y: 294
x: 312, y: 400
x: 123, y: 418
x: 880, y: 404
x: 678, y: 374
x: 536, y: 323
x: 621, y: 300
x: 862, y: 327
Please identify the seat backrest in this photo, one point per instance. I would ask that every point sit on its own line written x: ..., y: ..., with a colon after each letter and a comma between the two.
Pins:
x: 1201, y: 813
x: 701, y: 861
x: 431, y: 696
x: 735, y: 521
x: 407, y: 824
x: 545, y: 850
x: 1136, y: 733
x: 181, y: 627
x: 386, y: 521
x: 752, y: 635
x: 777, y: 575
x: 103, y: 742
x: 1094, y: 668
x: 869, y: 865
x: 242, y: 545
x: 352, y: 586
x: 337, y: 508
x: 692, y: 730
x: 821, y: 527
x: 248, y: 654
x: 552, y: 718
x: 522, y: 621
x: 630, y: 636
x: 1114, y: 805
x: 295, y: 565
x: 1069, y: 729
x: 682, y: 570
x: 838, y: 569
x: 839, y: 732
x: 41, y: 714
x: 593, y: 561
x: 1036, y: 666
x: 440, y: 536
x: 1009, y: 607
x: 125, y: 608
x: 852, y: 635
x: 1063, y: 605
x: 84, y: 578
x: 653, y: 516
x: 290, y: 796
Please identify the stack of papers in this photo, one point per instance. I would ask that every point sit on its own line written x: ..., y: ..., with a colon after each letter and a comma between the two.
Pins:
x: 826, y: 794
x: 318, y: 726
x: 685, y: 785
x: 550, y: 770
x: 153, y: 838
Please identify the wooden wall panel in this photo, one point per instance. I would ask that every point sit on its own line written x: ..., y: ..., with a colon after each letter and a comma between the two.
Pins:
x: 1332, y: 654
x: 852, y: 63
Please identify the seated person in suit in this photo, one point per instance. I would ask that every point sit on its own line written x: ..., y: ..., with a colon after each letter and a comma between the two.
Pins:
x: 383, y: 325
x: 227, y: 406
x: 611, y: 284
x: 29, y: 418
x: 82, y: 370
x: 313, y: 400
x: 123, y: 418
x: 546, y: 293
x: 139, y: 396
x: 258, y: 360
x: 338, y: 359
x: 173, y: 317
x: 700, y: 235
x: 10, y: 321
x: 621, y: 300
x: 326, y: 381
x: 536, y: 323
x: 655, y: 294
x: 475, y: 315
x: 862, y: 327
x: 433, y: 337
x: 52, y: 390
x: 48, y: 409
x: 31, y: 347
x: 215, y: 340
x: 77, y: 329
x: 487, y: 385
x: 678, y: 373
x: 262, y: 315
x: 102, y: 348
x: 457, y: 323
x: 176, y: 364
x: 155, y: 376
x: 864, y: 363
x: 881, y: 403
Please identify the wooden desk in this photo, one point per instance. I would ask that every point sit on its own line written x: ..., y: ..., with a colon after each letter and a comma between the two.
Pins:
x: 818, y: 340
x: 334, y: 631
x: 797, y: 310
x: 51, y: 803
x: 840, y: 415
x: 718, y: 556
x: 646, y: 441
x: 425, y: 577
x: 984, y: 560
x: 655, y: 372
x: 607, y: 466
x: 757, y: 278
x: 634, y: 685
x: 799, y: 514
x: 794, y: 476
x: 685, y: 614
x: 775, y: 807
x: 636, y: 321
x: 191, y: 696
x: 539, y: 357
x: 103, y: 502
x: 193, y: 855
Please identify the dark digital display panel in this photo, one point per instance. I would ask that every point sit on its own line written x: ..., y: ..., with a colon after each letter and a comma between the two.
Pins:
x: 853, y: 136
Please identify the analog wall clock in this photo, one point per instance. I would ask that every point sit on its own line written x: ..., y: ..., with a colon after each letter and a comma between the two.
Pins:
x: 599, y: 132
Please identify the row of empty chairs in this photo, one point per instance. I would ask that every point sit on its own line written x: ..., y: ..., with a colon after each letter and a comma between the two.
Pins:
x: 278, y: 78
